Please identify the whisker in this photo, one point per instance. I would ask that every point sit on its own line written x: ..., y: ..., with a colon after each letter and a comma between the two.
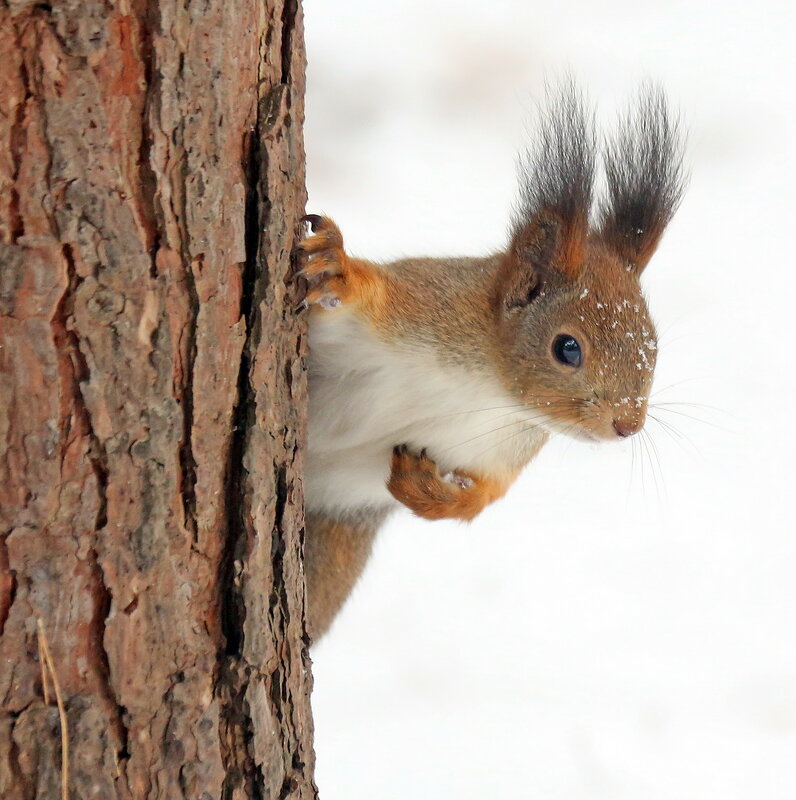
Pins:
x: 671, y: 432
x: 522, y: 432
x: 515, y: 406
x: 700, y: 406
x: 674, y: 385
x: 648, y: 455
x: 507, y: 438
x: 479, y: 410
x: 496, y: 430
x: 664, y: 342
x: 551, y: 404
x: 570, y: 440
x: 674, y: 434
x: 633, y: 445
x: 653, y: 444
x: 691, y: 417
x: 641, y: 453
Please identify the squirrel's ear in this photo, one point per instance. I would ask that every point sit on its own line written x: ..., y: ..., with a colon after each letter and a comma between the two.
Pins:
x: 534, y: 251
x: 644, y: 176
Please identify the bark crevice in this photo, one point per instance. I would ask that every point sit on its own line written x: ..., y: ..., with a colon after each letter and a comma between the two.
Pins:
x: 233, y: 613
x: 102, y: 609
x: 17, y: 137
x: 237, y: 729
x: 74, y: 371
x: 147, y: 177
x: 289, y: 12
x: 187, y: 458
x: 8, y: 582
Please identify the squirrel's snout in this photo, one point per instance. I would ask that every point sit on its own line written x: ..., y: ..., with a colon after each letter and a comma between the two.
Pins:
x: 627, y: 427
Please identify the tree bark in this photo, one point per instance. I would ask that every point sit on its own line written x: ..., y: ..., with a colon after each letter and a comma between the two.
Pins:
x: 152, y: 397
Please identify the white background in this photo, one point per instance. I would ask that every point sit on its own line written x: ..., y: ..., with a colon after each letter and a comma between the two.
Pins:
x: 623, y: 623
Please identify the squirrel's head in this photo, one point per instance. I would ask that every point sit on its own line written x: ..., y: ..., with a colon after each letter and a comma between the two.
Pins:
x: 575, y: 340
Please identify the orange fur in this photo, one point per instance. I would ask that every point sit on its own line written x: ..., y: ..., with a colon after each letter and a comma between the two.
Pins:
x: 351, y: 280
x: 335, y: 553
x: 416, y: 482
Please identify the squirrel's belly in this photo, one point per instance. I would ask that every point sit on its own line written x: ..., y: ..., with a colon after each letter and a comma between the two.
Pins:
x: 341, y: 483
x: 367, y: 396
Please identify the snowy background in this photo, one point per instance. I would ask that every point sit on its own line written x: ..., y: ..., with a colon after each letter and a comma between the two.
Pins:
x: 623, y: 623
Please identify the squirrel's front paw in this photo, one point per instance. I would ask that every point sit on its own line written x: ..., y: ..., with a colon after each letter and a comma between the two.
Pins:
x: 343, y: 280
x: 416, y: 482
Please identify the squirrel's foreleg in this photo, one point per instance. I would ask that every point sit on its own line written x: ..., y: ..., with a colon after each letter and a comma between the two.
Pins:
x: 416, y: 482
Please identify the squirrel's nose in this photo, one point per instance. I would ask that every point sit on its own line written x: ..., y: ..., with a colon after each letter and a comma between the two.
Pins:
x: 627, y: 427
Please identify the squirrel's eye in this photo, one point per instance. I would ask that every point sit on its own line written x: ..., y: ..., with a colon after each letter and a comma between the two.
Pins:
x: 566, y: 349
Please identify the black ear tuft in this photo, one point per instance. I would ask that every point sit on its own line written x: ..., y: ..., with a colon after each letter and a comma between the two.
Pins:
x: 557, y: 176
x: 644, y: 175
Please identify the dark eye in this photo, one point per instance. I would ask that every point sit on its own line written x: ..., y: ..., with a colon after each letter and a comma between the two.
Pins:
x: 566, y: 349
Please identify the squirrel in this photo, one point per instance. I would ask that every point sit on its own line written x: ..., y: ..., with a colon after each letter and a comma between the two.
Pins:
x: 434, y: 381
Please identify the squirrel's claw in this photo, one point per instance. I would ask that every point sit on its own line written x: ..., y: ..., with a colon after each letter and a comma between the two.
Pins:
x: 341, y: 280
x: 322, y: 254
x: 313, y: 220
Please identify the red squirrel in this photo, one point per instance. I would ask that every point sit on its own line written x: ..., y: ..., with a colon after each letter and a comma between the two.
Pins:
x: 434, y: 381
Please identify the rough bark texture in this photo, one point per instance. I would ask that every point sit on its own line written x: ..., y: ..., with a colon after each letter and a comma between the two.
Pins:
x: 151, y: 399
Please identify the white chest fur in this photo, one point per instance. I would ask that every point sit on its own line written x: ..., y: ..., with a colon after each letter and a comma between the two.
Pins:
x: 366, y: 396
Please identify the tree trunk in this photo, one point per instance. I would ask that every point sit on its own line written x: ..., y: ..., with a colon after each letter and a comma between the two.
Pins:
x: 152, y: 394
